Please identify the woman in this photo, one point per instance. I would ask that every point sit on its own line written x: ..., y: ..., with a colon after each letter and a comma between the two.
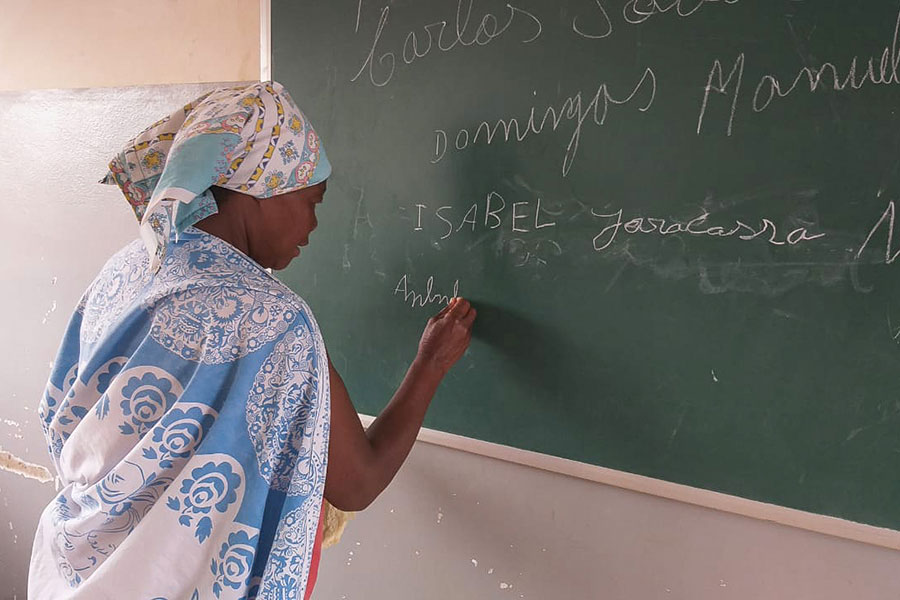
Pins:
x: 193, y: 416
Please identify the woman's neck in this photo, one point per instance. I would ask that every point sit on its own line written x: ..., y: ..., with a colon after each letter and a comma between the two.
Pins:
x: 228, y: 224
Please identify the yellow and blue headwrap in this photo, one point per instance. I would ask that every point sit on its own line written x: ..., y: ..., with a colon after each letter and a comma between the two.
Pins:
x: 251, y: 139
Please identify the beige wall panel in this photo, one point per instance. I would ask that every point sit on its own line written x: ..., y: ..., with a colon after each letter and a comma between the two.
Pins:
x: 100, y: 43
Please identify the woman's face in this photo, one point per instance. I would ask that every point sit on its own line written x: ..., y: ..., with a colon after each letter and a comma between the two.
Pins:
x: 282, y: 224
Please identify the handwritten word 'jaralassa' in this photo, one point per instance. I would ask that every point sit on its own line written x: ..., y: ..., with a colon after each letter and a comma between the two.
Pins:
x: 696, y: 226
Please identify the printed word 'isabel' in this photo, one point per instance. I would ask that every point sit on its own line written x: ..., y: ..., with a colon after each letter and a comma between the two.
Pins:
x: 520, y: 217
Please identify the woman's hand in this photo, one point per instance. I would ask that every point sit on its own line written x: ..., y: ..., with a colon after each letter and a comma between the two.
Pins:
x: 362, y: 463
x: 447, y: 335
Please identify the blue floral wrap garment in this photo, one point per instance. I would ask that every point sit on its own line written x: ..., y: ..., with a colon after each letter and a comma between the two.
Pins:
x: 187, y: 415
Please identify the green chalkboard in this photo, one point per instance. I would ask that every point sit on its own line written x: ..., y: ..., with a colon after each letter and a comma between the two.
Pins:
x: 674, y: 218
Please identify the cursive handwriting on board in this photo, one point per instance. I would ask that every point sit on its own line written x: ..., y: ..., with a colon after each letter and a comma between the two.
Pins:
x: 736, y: 83
x: 418, y: 44
x: 636, y: 12
x: 698, y: 226
x: 889, y: 217
x: 572, y: 108
x: 429, y: 296
x: 532, y: 217
x: 883, y: 71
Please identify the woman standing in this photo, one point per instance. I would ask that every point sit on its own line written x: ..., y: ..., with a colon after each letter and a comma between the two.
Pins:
x: 193, y: 416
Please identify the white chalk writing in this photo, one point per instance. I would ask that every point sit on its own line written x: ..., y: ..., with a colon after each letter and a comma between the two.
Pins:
x: 572, y: 108
x: 414, y: 298
x: 606, y: 27
x: 488, y: 215
x: 697, y: 226
x: 826, y: 76
x: 638, y: 11
x: 888, y: 216
x: 419, y: 44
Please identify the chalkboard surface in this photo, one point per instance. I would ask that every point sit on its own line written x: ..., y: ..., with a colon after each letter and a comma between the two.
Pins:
x: 675, y: 219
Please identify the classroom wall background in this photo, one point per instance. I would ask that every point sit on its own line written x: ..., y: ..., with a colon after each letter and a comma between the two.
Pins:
x: 453, y: 524
x: 94, y: 43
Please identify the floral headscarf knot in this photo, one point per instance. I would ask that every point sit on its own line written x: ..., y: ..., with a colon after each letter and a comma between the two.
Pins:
x: 251, y: 139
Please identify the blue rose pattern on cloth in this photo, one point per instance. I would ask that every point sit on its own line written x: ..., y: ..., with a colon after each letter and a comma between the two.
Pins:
x: 213, y: 486
x: 181, y: 404
x: 234, y: 562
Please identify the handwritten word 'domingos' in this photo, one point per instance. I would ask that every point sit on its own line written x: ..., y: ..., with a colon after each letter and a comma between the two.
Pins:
x: 436, y: 36
x: 495, y: 210
x: 698, y: 226
x: 572, y: 108
x: 429, y: 296
x: 826, y: 76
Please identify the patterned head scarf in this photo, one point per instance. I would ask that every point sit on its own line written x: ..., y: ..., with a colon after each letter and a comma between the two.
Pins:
x: 251, y: 139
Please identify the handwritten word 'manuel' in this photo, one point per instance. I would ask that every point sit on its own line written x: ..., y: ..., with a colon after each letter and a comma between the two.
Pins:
x: 696, y: 226
x: 572, y: 108
x: 419, y: 43
x: 769, y: 87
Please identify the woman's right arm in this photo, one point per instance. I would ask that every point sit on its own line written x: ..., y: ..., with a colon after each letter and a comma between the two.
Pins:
x: 361, y: 463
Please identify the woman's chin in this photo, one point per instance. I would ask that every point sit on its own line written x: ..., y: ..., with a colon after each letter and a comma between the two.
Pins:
x: 282, y: 264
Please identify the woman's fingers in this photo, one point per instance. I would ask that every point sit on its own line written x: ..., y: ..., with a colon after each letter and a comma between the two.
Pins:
x: 447, y: 308
x: 459, y: 309
x: 469, y: 318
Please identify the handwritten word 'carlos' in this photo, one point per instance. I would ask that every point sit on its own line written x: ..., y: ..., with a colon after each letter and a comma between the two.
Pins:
x: 696, y: 226
x: 436, y: 36
x: 495, y: 211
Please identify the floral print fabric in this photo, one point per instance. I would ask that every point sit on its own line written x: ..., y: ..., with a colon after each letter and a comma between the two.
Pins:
x: 251, y: 139
x: 187, y: 416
